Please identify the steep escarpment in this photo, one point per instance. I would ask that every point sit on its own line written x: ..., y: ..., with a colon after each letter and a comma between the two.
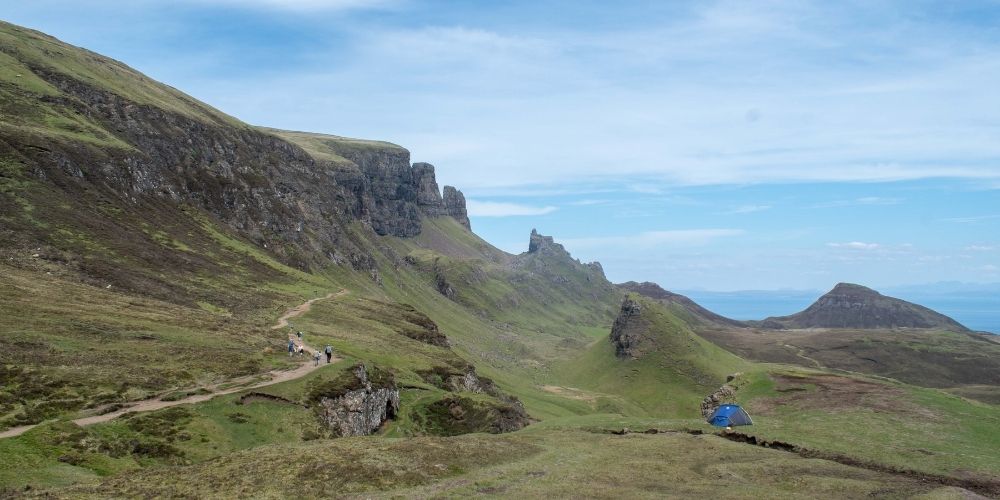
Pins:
x: 86, y: 141
x: 856, y: 306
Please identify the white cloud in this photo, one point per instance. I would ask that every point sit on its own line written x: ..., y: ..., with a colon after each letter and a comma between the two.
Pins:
x: 990, y: 268
x: 499, y: 209
x: 747, y: 209
x: 647, y: 239
x: 867, y: 200
x: 856, y: 245
x: 979, y: 248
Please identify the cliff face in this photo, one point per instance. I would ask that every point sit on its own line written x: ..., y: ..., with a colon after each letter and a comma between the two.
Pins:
x: 855, y: 306
x: 629, y: 332
x: 454, y: 206
x: 359, y: 406
x: 135, y: 142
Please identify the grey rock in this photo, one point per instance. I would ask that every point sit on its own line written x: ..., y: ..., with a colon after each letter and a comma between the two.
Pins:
x: 624, y: 335
x: 362, y: 411
x: 454, y: 205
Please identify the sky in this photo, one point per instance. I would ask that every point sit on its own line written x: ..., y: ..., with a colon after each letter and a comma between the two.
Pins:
x: 719, y: 145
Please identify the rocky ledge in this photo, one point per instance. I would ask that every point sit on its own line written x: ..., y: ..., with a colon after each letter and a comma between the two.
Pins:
x: 624, y: 335
x: 357, y: 403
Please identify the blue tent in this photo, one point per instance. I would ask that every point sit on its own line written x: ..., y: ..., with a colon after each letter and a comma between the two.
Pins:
x: 730, y: 416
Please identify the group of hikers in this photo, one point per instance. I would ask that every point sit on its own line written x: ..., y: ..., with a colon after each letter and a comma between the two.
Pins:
x: 299, y: 348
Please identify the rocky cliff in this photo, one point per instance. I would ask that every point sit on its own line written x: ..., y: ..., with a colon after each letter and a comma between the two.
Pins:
x: 629, y: 333
x: 78, y: 124
x: 357, y: 403
x: 856, y: 306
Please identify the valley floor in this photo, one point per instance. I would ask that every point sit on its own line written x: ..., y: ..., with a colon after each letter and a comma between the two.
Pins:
x: 552, y: 460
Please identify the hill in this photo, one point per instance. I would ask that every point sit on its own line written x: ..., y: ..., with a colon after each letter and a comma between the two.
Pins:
x: 855, y: 306
x: 699, y: 313
x: 149, y: 246
x: 654, y: 359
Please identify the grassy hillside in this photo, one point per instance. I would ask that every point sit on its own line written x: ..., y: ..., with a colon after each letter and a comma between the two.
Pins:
x: 532, y: 464
x: 929, y: 358
x: 677, y: 370
x: 35, y: 66
x: 117, y: 285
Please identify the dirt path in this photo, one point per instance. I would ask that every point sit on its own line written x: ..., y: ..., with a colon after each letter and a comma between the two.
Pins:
x: 275, y: 377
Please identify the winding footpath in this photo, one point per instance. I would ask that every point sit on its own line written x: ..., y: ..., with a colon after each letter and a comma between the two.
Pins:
x: 276, y: 377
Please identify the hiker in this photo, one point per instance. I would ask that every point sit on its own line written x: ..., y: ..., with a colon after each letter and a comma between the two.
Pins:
x: 302, y: 350
x: 329, y: 353
x: 300, y: 334
x: 316, y: 358
x: 291, y: 347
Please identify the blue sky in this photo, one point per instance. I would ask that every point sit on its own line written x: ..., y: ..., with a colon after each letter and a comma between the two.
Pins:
x: 719, y: 145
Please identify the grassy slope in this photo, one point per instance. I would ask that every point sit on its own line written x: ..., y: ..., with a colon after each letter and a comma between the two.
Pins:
x: 670, y: 379
x: 930, y: 358
x: 25, y: 52
x: 330, y: 147
x: 543, y: 339
x: 532, y: 464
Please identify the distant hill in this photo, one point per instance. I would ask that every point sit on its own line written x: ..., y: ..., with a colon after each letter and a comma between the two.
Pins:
x: 855, y: 306
x: 654, y: 291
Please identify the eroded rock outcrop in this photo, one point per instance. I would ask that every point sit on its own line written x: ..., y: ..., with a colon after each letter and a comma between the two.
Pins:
x: 724, y: 394
x: 454, y: 205
x: 625, y: 333
x: 357, y: 403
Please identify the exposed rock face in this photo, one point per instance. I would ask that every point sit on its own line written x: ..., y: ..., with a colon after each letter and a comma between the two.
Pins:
x: 722, y: 395
x: 443, y: 286
x: 626, y: 334
x: 179, y: 152
x: 356, y: 407
x: 538, y: 243
x: 454, y: 205
x: 654, y: 291
x: 855, y: 306
x: 428, y: 195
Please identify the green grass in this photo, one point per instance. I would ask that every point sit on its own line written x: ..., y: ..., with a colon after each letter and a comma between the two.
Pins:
x: 675, y: 372
x: 531, y: 464
x: 36, y: 50
x: 331, y: 148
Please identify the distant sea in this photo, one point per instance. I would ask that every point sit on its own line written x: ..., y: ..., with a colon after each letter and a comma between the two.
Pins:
x: 976, y: 310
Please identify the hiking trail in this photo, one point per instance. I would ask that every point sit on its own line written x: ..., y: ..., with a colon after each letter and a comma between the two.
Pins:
x: 276, y: 377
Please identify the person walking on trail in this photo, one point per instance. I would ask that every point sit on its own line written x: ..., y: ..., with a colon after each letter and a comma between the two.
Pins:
x: 302, y: 350
x: 291, y: 347
x: 316, y: 358
x: 300, y: 335
x: 329, y: 353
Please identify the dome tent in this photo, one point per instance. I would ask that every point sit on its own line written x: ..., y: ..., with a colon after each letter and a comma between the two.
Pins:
x: 730, y: 416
